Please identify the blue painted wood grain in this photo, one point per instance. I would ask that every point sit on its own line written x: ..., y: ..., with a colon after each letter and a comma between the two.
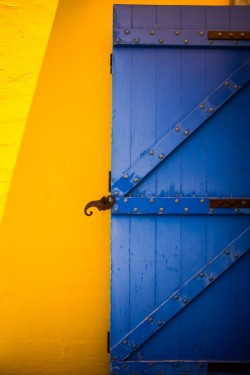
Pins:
x: 151, y: 256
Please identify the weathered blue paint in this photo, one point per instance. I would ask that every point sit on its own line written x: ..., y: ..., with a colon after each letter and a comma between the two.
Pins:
x: 154, y: 154
x: 172, y: 206
x: 182, y: 297
x: 154, y: 255
x: 166, y: 368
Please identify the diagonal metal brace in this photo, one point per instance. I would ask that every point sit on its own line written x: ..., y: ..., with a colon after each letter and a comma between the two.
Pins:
x: 182, y: 297
x: 151, y: 157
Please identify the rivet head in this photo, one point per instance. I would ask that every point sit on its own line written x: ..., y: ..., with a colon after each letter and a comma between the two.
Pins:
x: 201, y: 33
x: 231, y: 34
x: 151, y: 152
x: 115, y: 357
x: 125, y: 200
x: 226, y: 83
x: 210, y: 42
x: 125, y: 176
x: 134, y: 346
x: 202, y: 200
x: 150, y: 319
x: 177, y: 200
x: 243, y: 203
x: 125, y: 365
x: 177, y: 129
x: 236, y: 42
x: 127, y: 31
x: 176, y: 297
x: 185, y: 300
x: 152, y: 32
x: 135, y: 179
x: 186, y: 41
x: 124, y: 342
x: 227, y: 252
x: 219, y: 34
x: 116, y: 192
x: 211, y: 210
x: 236, y: 255
x: 236, y: 87
x: 117, y: 40
x: 177, y: 33
x: 161, y: 41
x: 236, y: 210
x: 161, y: 209
x: 186, y: 209
x: 202, y: 106
x: 151, y: 200
x: 159, y: 323
x: 201, y: 274
x: 136, y: 40
x: 161, y: 156
x: 135, y: 209
x: 150, y: 364
x: 186, y: 132
x: 211, y: 109
x: 115, y: 209
x: 242, y: 34
x: 211, y: 278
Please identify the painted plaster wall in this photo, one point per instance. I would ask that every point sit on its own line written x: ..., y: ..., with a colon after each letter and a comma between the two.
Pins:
x: 54, y: 158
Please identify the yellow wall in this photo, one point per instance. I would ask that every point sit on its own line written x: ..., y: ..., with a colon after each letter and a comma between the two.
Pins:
x: 54, y: 261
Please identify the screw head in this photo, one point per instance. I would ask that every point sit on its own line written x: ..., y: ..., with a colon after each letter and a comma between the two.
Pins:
x: 151, y: 152
x: 161, y: 156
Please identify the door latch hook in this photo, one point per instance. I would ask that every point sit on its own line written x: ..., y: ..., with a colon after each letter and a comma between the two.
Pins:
x: 105, y: 203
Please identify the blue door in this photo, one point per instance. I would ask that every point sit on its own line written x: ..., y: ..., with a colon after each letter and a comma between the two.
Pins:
x: 180, y: 277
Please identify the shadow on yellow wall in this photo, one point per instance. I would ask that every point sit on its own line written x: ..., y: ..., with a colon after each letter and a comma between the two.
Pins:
x: 54, y: 265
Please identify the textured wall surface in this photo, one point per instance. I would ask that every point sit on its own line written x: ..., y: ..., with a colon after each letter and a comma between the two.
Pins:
x: 54, y: 158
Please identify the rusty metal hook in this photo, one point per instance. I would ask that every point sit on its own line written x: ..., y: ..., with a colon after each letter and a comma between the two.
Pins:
x: 105, y: 203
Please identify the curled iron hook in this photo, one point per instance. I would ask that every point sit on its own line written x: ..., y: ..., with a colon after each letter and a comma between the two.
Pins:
x: 105, y: 203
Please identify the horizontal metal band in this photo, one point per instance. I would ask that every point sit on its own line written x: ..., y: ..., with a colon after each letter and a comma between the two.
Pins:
x: 180, y: 38
x: 176, y: 206
x: 182, y: 297
x: 229, y: 35
x: 229, y: 203
x: 152, y: 156
x: 159, y: 367
x: 178, y: 367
